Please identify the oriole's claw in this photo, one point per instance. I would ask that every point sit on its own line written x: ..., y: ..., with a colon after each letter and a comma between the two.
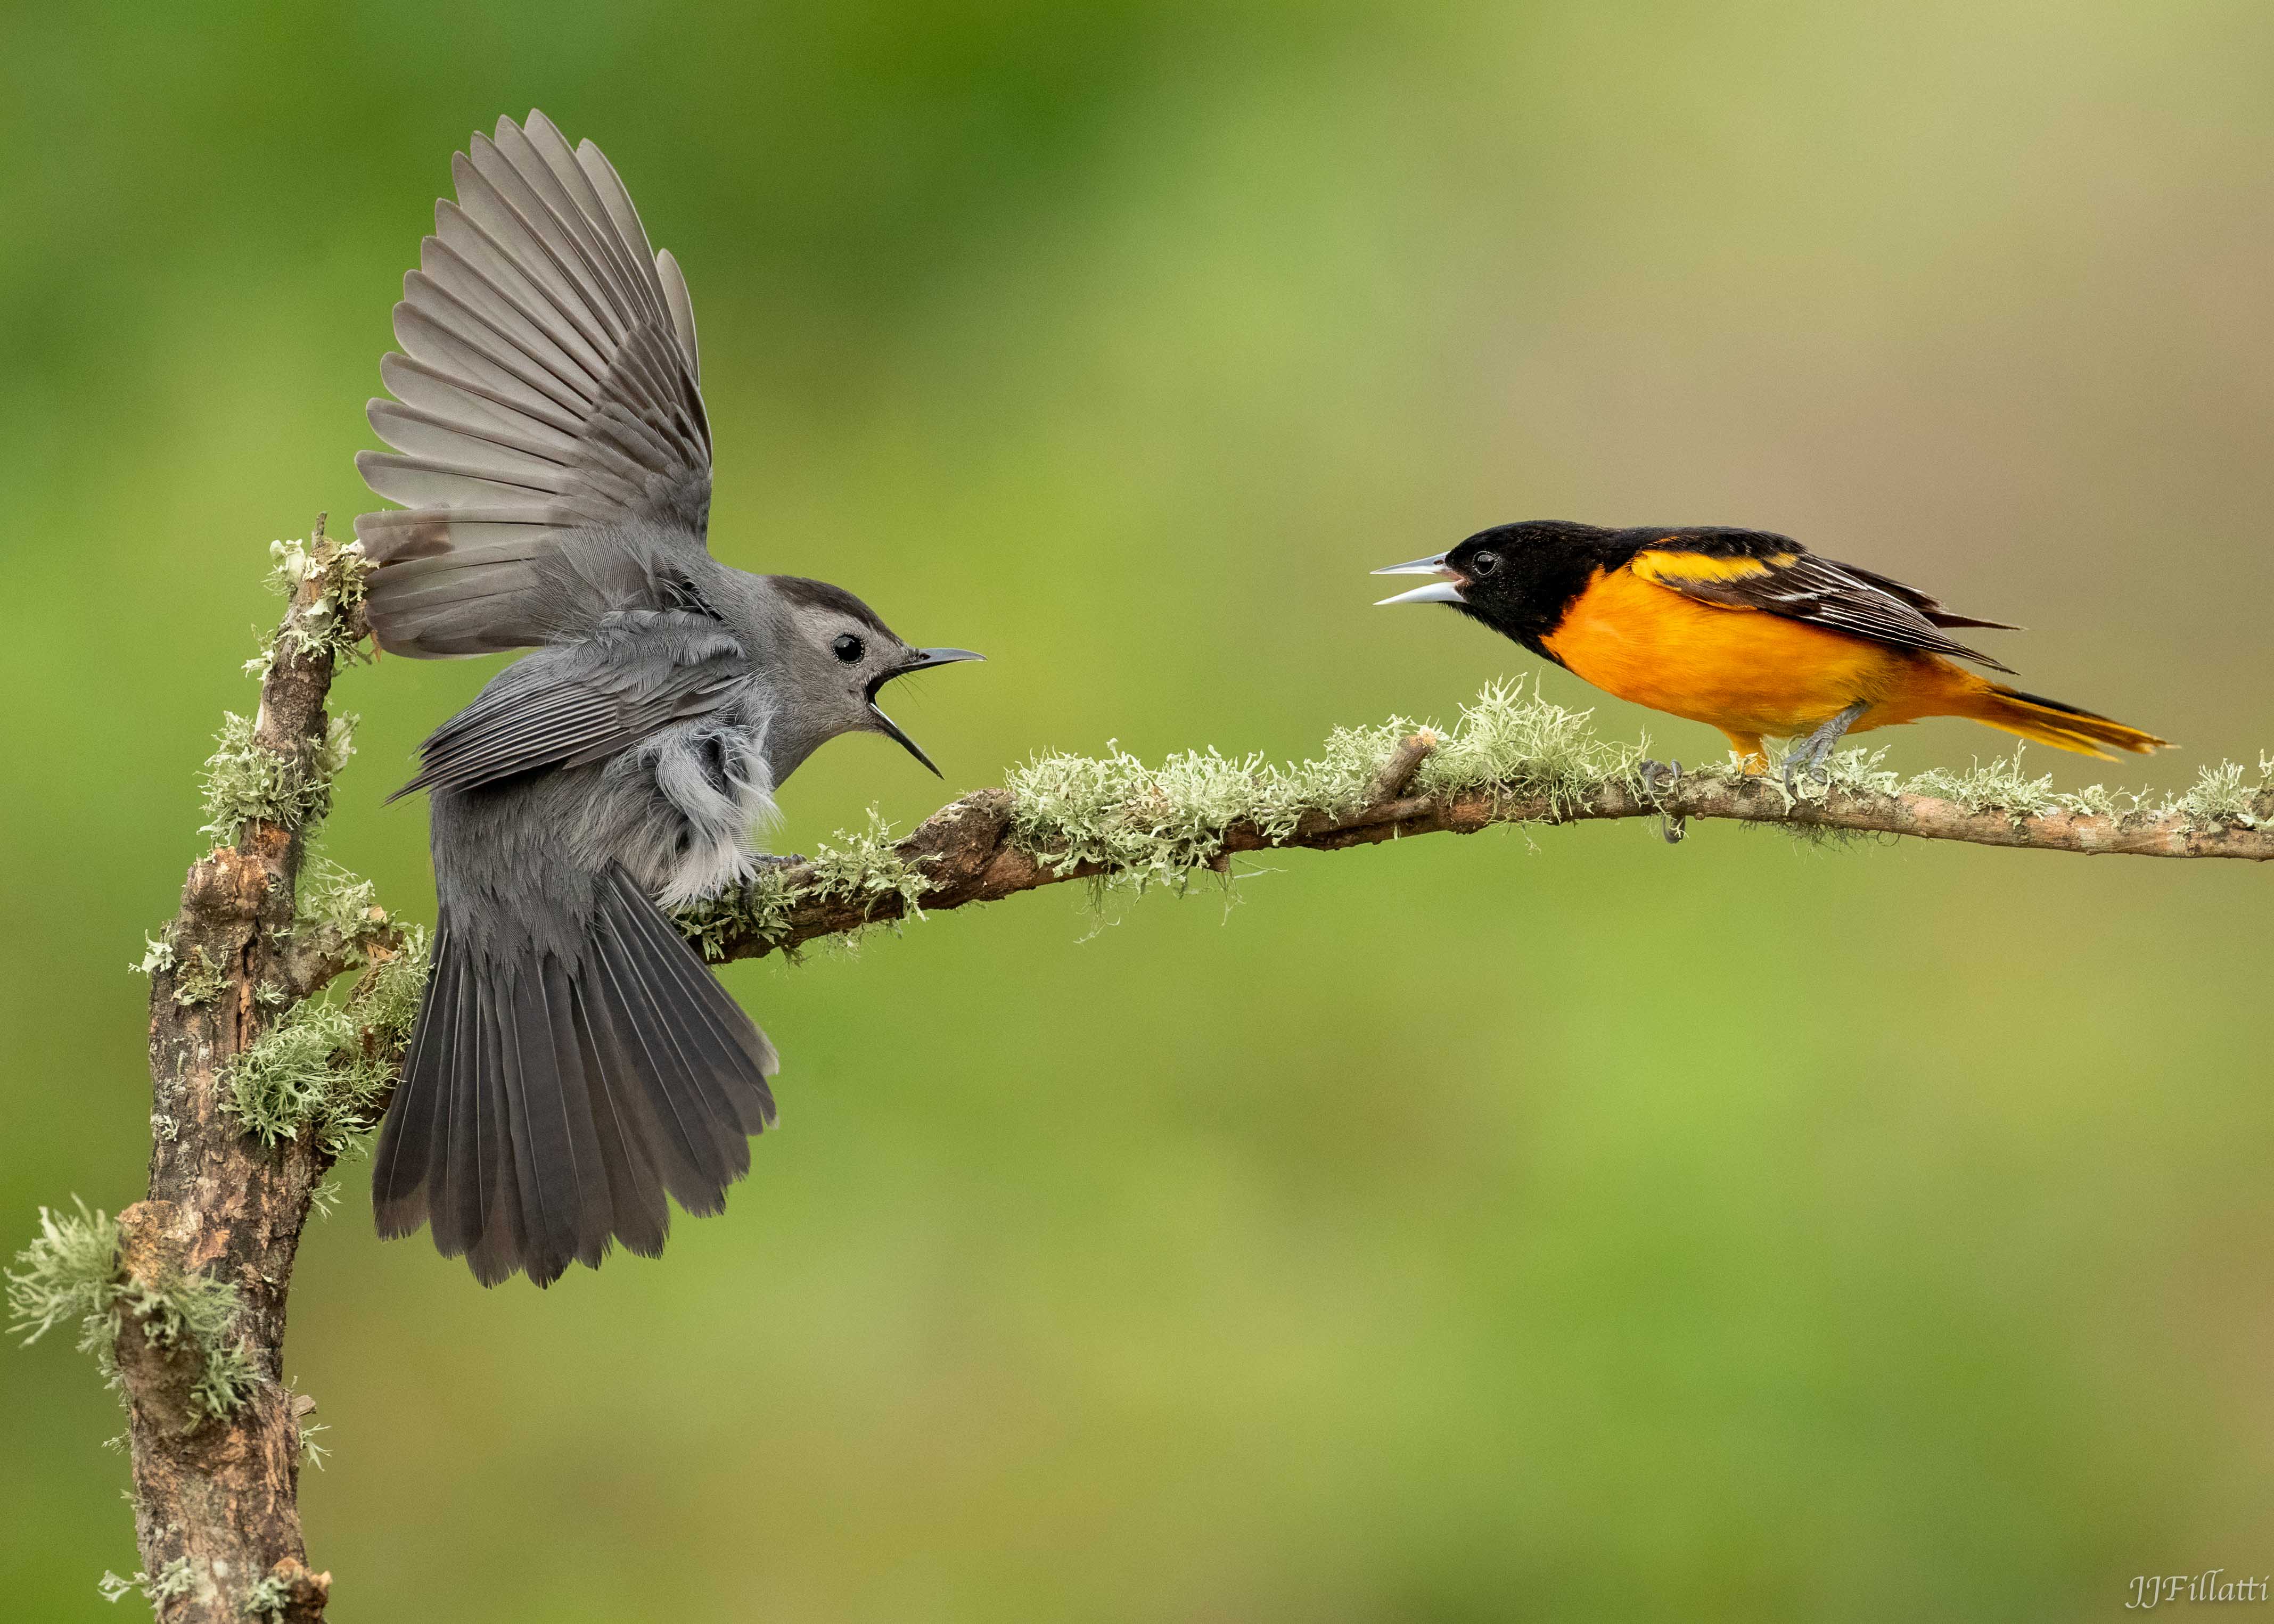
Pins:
x: 1658, y: 776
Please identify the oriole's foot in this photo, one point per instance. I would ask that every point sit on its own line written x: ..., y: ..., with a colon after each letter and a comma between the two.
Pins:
x: 1657, y: 778
x: 1810, y: 755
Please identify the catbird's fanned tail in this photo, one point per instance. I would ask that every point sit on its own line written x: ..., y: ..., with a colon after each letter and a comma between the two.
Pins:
x: 550, y: 1100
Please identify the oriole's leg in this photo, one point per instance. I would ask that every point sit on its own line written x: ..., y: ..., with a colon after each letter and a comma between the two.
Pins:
x: 1750, y: 757
x: 1658, y: 776
x: 1810, y: 755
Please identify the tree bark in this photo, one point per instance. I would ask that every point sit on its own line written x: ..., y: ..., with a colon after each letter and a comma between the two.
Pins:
x: 215, y: 1498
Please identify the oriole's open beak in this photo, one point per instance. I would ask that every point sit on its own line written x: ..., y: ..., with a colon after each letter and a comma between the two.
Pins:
x: 1444, y: 590
x: 925, y: 660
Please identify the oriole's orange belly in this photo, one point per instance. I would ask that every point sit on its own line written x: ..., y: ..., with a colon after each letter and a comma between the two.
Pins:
x: 1743, y: 670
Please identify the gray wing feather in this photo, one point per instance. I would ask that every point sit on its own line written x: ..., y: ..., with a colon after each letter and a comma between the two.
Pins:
x: 539, y: 299
x: 516, y: 319
x: 571, y: 707
x: 608, y: 187
x: 430, y: 434
x: 551, y: 447
x: 682, y: 308
x: 454, y: 399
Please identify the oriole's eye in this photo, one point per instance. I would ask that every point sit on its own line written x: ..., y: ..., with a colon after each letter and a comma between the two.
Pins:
x: 1484, y: 563
x: 848, y: 648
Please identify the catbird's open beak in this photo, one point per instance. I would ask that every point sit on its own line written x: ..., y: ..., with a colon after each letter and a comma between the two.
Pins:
x: 925, y: 660
x: 1446, y: 589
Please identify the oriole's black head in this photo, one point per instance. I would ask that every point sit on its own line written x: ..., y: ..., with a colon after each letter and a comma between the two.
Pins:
x: 1518, y: 579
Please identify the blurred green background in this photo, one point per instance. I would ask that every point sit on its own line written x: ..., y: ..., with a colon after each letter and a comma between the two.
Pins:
x: 1548, y: 1225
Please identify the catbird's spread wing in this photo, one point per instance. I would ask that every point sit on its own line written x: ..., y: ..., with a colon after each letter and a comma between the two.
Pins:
x: 553, y: 452
x: 566, y: 708
x: 1756, y: 570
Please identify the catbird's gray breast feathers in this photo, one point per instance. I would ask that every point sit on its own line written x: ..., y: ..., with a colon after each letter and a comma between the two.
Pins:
x: 552, y: 446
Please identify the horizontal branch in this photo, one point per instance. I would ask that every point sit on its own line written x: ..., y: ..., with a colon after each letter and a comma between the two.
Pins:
x: 993, y: 844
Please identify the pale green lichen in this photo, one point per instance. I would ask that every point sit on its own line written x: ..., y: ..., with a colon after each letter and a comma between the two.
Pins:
x: 1853, y: 772
x: 158, y: 953
x: 1143, y: 825
x: 174, y: 1581
x: 1997, y: 785
x: 388, y: 1001
x: 245, y: 782
x: 332, y: 621
x: 1146, y: 825
x: 759, y: 909
x: 2228, y: 793
x: 71, y: 1271
x: 195, y: 1313
x: 330, y: 896
x: 865, y: 867
x: 300, y: 1407
x: 267, y: 1599
x: 1524, y: 747
x: 342, y: 910
x: 323, y: 1067
x: 306, y: 1072
x: 201, y: 982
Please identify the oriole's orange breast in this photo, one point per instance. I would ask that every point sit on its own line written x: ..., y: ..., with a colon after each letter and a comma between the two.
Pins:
x: 1738, y: 669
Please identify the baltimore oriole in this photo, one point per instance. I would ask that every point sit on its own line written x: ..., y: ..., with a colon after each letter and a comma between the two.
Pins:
x: 1745, y: 630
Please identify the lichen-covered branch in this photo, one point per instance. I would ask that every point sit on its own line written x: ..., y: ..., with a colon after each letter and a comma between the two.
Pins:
x: 1514, y: 758
x: 257, y: 1089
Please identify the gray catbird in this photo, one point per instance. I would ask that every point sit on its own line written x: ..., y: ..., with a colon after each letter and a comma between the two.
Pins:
x: 574, y: 1060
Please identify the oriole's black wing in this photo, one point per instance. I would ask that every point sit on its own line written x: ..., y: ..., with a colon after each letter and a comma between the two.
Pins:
x: 1753, y: 569
x: 1928, y: 607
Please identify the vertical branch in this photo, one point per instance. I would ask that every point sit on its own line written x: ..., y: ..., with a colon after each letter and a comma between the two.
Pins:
x: 215, y: 1434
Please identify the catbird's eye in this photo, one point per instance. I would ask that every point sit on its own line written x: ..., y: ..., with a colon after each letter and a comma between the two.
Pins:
x: 848, y: 648
x: 1484, y: 563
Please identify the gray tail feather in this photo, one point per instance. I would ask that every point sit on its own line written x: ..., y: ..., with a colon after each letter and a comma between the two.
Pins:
x: 546, y: 1107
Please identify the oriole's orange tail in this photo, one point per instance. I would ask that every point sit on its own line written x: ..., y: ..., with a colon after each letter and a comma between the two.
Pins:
x: 2064, y: 727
